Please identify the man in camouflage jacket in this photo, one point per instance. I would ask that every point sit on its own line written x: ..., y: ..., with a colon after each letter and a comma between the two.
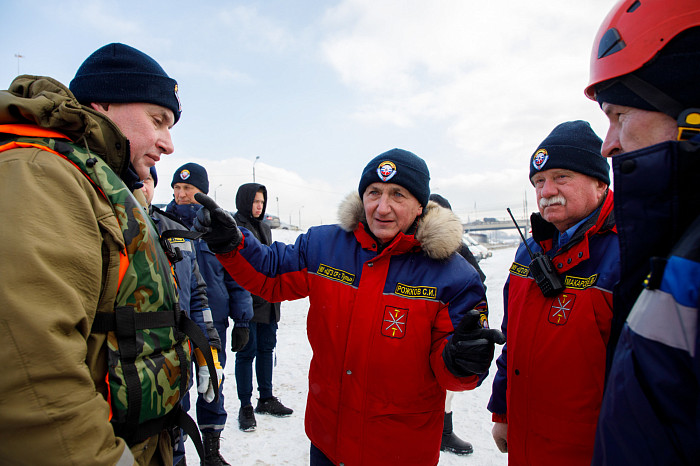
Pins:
x: 60, y: 253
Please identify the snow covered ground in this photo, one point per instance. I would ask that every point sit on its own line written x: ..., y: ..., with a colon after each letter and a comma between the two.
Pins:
x: 282, y: 441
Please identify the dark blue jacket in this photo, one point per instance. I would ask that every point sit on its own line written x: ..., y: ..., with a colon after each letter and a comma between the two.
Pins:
x: 191, y: 286
x: 226, y: 297
x: 651, y: 407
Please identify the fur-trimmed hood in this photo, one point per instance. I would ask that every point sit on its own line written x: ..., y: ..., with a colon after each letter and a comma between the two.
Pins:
x: 439, y: 230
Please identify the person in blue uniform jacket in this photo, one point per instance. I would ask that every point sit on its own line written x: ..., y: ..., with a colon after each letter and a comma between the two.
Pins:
x: 226, y: 300
x: 645, y: 75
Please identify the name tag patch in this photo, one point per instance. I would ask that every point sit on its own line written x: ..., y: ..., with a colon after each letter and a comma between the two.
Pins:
x: 416, y: 291
x: 578, y: 283
x: 336, y: 274
x: 519, y: 270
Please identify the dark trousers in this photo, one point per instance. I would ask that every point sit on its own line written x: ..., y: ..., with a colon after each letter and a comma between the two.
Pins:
x: 212, y: 416
x: 318, y: 458
x: 261, y: 345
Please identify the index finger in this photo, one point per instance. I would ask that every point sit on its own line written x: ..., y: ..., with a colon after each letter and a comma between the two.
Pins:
x: 206, y: 201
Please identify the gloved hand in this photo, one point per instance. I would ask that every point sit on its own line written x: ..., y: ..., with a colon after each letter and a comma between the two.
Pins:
x: 217, y: 226
x: 470, y: 351
x: 239, y: 338
x: 500, y: 435
x: 204, y: 384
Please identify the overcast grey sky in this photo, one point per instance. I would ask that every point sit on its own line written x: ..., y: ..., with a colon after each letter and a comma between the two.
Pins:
x: 318, y: 88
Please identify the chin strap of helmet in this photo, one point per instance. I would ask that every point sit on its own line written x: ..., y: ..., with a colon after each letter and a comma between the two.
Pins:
x: 688, y: 119
x: 657, y: 98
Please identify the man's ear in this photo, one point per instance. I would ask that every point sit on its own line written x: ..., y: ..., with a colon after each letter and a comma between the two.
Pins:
x: 99, y: 107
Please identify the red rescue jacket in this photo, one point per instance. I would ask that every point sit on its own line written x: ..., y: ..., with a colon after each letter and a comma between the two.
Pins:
x: 377, y: 324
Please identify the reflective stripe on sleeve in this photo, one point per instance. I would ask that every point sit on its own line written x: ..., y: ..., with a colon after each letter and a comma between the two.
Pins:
x: 658, y: 317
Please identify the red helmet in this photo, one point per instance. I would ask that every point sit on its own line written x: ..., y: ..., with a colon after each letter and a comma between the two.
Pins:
x: 633, y: 32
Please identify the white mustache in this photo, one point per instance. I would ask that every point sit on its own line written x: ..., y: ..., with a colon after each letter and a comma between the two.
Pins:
x: 547, y: 201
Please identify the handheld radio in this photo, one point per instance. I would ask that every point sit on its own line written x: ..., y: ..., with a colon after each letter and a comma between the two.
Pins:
x: 542, y: 268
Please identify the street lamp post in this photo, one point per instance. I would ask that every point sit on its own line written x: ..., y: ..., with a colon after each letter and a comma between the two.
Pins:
x: 18, y: 56
x: 256, y: 159
x: 300, y: 215
x: 215, y: 191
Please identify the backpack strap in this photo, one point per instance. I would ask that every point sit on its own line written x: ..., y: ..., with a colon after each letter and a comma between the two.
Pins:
x: 124, y: 321
x: 187, y: 424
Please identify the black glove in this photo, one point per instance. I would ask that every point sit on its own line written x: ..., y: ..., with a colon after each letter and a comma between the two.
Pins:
x: 470, y: 351
x: 217, y: 226
x: 239, y: 338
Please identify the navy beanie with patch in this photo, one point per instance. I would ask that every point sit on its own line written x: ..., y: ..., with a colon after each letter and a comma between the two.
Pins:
x: 117, y: 73
x: 154, y: 175
x: 400, y: 167
x: 572, y: 146
x: 194, y: 174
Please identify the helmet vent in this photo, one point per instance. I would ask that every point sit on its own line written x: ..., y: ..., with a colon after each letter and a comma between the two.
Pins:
x: 634, y: 6
x: 610, y: 43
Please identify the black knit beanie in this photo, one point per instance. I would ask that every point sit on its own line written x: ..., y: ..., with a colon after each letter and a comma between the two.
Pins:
x: 675, y: 71
x: 194, y: 174
x: 117, y: 73
x: 573, y: 146
x: 441, y: 201
x: 154, y: 175
x: 400, y: 167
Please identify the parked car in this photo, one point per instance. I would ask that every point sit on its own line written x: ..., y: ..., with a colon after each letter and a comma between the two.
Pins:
x: 478, y: 250
x: 272, y: 220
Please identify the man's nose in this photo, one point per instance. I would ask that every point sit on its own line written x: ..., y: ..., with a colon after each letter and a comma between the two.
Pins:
x: 549, y: 189
x: 383, y: 204
x: 165, y: 143
x: 611, y: 145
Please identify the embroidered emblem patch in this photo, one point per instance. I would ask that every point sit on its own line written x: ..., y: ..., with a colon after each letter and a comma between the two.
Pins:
x: 336, y: 274
x: 429, y: 292
x: 177, y: 96
x: 539, y: 159
x: 483, y: 309
x: 561, y: 309
x: 386, y: 170
x: 184, y: 174
x: 394, y: 322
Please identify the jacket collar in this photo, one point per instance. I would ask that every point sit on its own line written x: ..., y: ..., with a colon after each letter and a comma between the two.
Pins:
x: 47, y: 103
x: 438, y: 232
x: 185, y: 213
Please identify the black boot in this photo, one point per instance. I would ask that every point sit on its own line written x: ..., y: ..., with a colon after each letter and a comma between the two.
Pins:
x: 212, y: 457
x: 450, y: 442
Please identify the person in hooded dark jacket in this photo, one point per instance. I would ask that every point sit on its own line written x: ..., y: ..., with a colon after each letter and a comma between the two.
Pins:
x: 251, y: 201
